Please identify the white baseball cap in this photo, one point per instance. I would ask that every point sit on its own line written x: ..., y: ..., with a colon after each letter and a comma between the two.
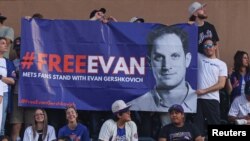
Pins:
x: 119, y: 105
x: 194, y: 7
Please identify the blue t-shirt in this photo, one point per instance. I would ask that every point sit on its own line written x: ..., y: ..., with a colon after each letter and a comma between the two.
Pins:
x: 80, y: 133
x: 121, y: 134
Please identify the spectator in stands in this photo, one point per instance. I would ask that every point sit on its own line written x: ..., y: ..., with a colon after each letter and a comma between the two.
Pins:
x: 5, y: 138
x: 178, y: 129
x: 100, y: 15
x: 19, y: 115
x: 65, y: 138
x: 121, y: 127
x: 97, y: 14
x: 39, y: 130
x: 239, y: 112
x: 97, y: 116
x: 239, y: 76
x: 136, y: 20
x: 169, y: 59
x: 205, y: 29
x: 37, y: 15
x: 6, y: 32
x: 212, y: 74
x: 1, y: 106
x: 7, y: 76
x: 76, y: 131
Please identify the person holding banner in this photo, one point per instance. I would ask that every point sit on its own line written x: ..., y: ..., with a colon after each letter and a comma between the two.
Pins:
x: 7, y: 75
x: 169, y: 58
x: 99, y: 15
x: 212, y: 76
x: 1, y: 105
x: 121, y: 127
x: 205, y: 29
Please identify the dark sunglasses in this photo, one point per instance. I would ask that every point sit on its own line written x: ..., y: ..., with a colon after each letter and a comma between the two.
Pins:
x: 208, y: 45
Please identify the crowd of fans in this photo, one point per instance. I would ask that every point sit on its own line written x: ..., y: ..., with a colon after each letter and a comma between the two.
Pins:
x: 31, y: 124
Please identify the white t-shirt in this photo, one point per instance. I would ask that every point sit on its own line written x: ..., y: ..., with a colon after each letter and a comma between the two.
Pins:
x: 108, y: 131
x: 243, y: 83
x: 209, y: 71
x: 1, y: 105
x: 28, y: 134
x: 3, y: 72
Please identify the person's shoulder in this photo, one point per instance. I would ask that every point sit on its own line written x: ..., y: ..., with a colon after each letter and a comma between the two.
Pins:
x: 82, y: 125
x: 109, y: 122
x: 189, y: 124
x: 200, y: 55
x: 222, y: 63
x: 28, y: 129
x: 208, y: 23
x: 168, y: 126
x: 51, y: 127
x: 62, y: 129
x: 5, y: 27
x: 132, y: 123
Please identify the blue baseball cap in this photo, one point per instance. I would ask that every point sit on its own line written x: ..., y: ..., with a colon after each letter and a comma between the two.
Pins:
x: 177, y: 108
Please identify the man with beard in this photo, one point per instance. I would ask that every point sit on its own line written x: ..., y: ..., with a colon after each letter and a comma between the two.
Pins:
x: 205, y: 29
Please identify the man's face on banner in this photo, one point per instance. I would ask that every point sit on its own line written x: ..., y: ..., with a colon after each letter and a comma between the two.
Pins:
x: 168, y: 61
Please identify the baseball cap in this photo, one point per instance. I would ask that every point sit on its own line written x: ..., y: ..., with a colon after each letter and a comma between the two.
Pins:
x: 119, y: 106
x: 92, y: 14
x: 135, y: 19
x: 17, y: 43
x: 2, y: 17
x: 177, y: 108
x: 195, y: 6
x: 247, y: 88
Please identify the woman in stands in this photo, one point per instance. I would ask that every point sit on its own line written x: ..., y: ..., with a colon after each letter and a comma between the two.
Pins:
x: 40, y: 130
x: 74, y: 130
x: 239, y: 76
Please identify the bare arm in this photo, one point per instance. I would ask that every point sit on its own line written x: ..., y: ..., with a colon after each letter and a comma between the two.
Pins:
x: 219, y: 85
x: 199, y: 138
x: 162, y: 139
x: 1, y: 99
x: 217, y: 51
x: 8, y: 80
x: 228, y: 86
x: 232, y: 119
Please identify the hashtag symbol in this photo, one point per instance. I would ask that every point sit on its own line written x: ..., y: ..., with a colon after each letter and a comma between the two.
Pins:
x: 27, y: 60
